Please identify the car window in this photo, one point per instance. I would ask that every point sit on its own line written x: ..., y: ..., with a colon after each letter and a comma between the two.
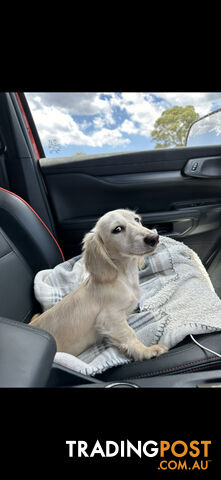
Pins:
x: 206, y: 130
x: 76, y: 123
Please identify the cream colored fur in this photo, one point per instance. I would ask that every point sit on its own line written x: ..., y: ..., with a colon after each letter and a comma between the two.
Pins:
x: 100, y: 306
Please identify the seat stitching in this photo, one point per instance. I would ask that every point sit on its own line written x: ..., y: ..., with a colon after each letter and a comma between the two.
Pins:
x: 156, y: 372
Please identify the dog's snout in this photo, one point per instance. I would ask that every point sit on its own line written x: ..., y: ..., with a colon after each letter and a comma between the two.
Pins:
x: 151, y: 240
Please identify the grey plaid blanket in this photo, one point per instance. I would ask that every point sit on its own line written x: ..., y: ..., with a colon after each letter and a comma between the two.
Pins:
x: 177, y: 299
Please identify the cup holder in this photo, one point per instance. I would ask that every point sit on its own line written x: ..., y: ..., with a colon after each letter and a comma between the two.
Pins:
x: 121, y: 385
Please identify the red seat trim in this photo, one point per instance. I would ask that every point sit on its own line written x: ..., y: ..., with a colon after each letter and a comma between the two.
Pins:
x: 39, y: 218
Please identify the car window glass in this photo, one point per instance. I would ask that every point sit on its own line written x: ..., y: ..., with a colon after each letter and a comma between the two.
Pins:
x: 206, y: 130
x: 90, y: 123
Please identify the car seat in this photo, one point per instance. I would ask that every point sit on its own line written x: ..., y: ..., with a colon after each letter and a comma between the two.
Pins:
x: 28, y: 246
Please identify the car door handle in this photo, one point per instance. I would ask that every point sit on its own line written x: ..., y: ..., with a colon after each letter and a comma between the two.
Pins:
x: 173, y: 223
x: 204, y: 167
x: 174, y: 229
x: 185, y: 221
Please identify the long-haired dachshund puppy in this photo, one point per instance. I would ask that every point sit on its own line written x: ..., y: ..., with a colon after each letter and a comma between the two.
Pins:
x: 99, y: 307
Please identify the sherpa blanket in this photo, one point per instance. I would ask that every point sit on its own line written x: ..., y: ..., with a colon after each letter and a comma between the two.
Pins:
x: 177, y: 299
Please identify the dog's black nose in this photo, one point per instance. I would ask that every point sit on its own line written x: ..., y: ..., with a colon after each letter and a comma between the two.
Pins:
x: 151, y: 240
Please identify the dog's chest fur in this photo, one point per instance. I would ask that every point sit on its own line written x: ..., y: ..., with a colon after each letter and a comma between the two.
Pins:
x: 131, y: 292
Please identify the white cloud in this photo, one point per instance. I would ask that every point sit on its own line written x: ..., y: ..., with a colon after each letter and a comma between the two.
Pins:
x: 98, y: 122
x: 128, y: 127
x: 203, y: 102
x: 54, y: 122
x: 82, y: 103
x: 84, y: 125
x: 75, y: 103
x: 142, y: 110
x: 107, y: 136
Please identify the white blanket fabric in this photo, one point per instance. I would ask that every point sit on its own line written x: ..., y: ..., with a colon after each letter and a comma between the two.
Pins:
x: 177, y: 299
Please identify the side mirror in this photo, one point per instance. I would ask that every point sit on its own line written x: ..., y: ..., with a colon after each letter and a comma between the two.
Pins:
x: 205, y: 131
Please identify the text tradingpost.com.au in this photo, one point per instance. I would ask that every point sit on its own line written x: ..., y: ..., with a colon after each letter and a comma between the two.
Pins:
x: 175, y: 455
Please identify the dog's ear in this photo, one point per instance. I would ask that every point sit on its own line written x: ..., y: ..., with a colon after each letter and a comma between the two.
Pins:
x: 96, y: 259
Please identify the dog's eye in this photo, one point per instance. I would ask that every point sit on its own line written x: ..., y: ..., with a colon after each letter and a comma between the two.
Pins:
x: 118, y: 229
x: 137, y: 219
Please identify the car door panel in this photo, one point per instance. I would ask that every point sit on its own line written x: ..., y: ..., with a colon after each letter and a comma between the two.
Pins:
x: 153, y: 182
x: 158, y: 160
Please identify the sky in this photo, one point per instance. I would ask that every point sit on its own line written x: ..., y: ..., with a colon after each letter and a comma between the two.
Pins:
x: 94, y: 122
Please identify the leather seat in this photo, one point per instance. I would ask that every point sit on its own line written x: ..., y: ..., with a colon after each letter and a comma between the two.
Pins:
x: 27, y: 246
x: 185, y: 357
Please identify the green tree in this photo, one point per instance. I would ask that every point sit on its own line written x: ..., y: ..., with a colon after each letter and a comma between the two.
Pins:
x: 171, y: 127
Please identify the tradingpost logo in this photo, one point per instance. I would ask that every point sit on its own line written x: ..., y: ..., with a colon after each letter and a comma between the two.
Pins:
x: 172, y: 455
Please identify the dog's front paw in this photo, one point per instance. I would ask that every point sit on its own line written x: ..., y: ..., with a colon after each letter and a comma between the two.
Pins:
x: 138, y: 351
x: 154, y: 351
x: 158, y: 349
